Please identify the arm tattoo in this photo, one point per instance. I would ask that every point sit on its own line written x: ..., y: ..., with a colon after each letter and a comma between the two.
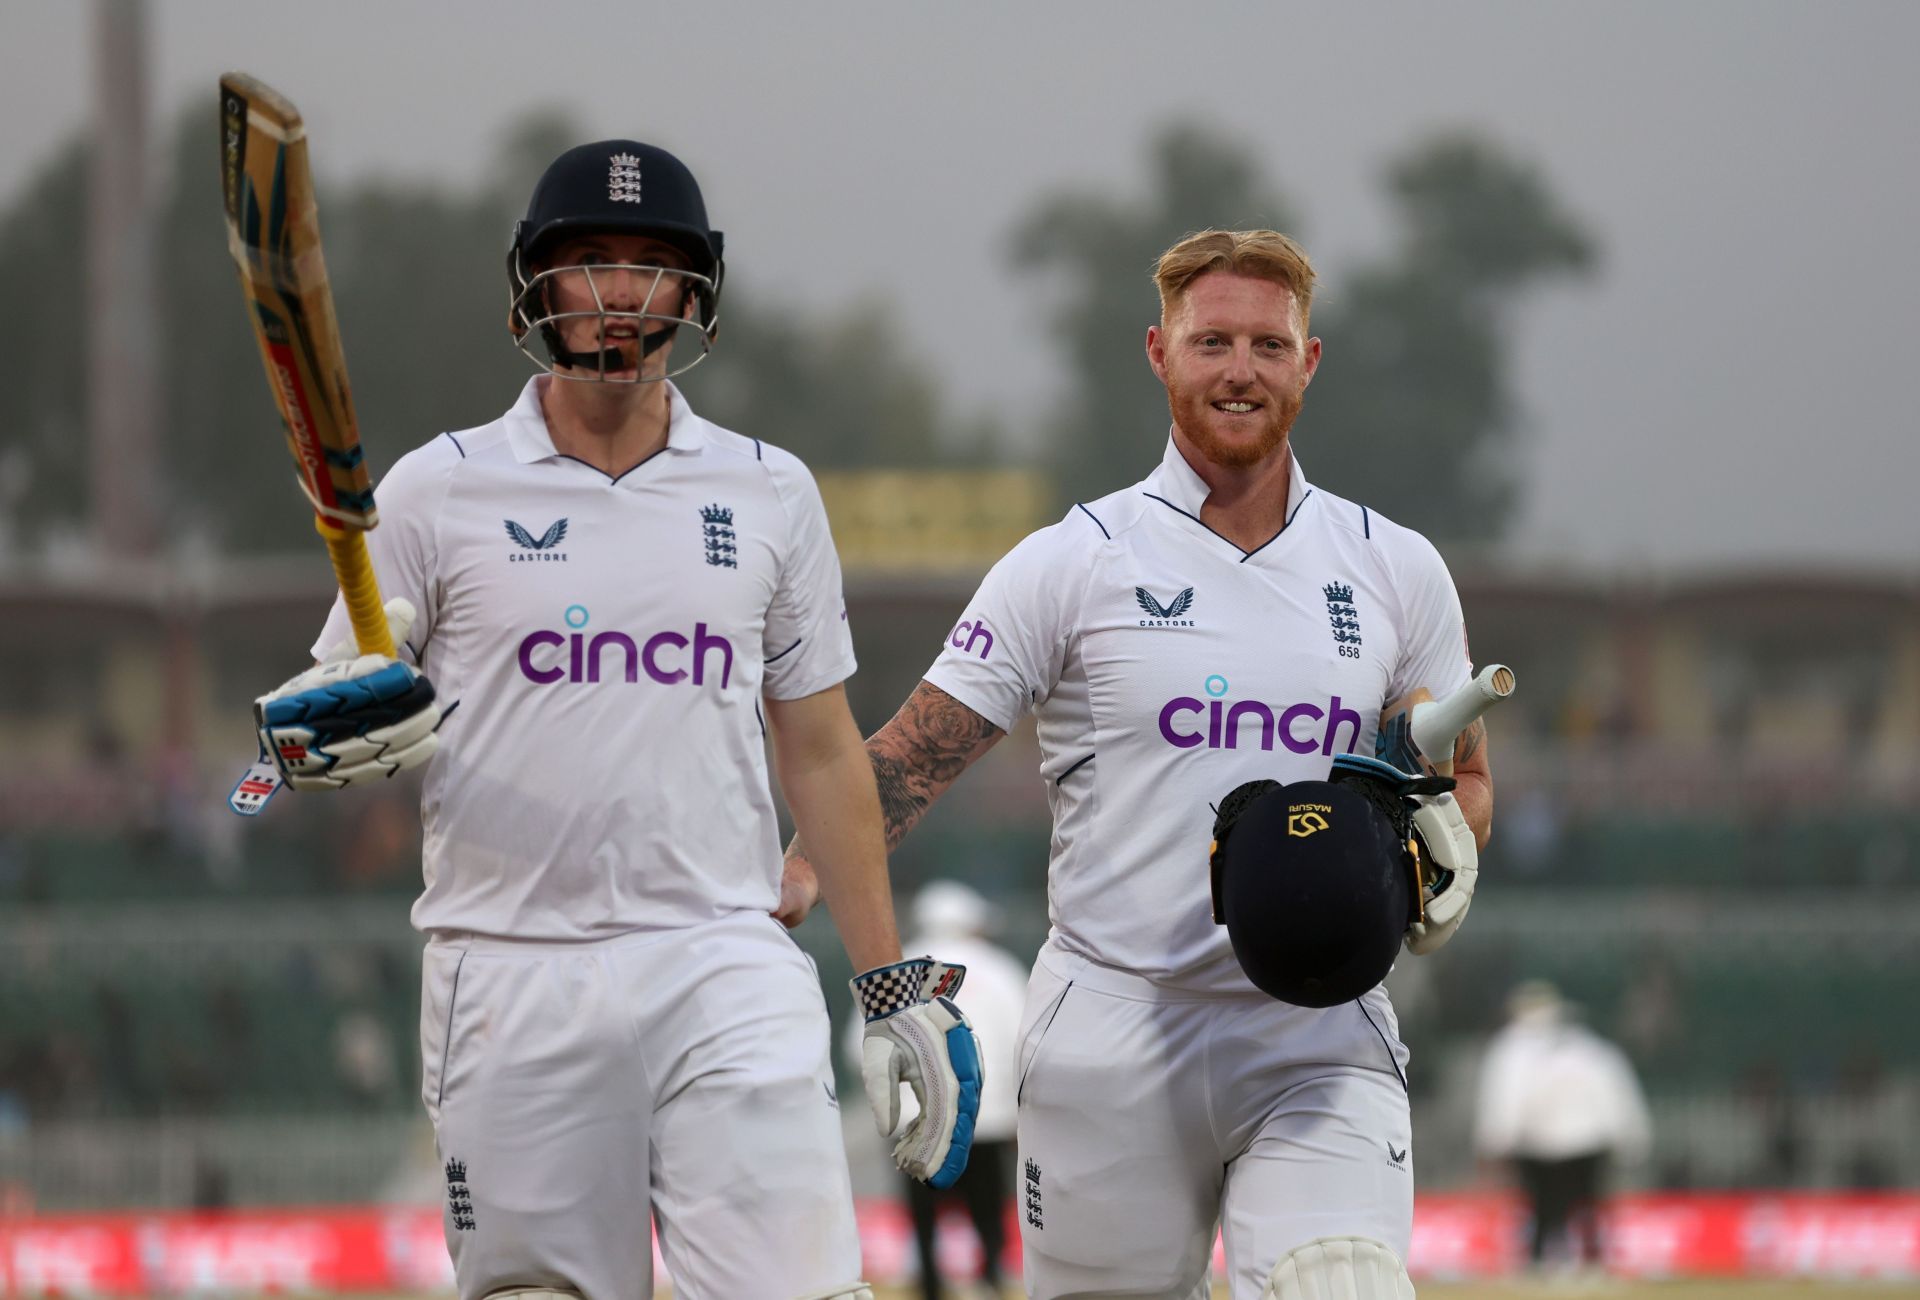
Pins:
x: 917, y: 755
x: 1470, y: 741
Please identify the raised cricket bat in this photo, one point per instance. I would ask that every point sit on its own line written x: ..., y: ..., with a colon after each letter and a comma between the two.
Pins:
x: 273, y: 231
x: 1417, y: 732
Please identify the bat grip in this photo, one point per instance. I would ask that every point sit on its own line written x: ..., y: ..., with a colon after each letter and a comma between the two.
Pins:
x: 347, y: 547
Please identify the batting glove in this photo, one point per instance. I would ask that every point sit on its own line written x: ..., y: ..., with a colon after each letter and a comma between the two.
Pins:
x: 1450, y: 864
x: 351, y: 719
x: 917, y: 1035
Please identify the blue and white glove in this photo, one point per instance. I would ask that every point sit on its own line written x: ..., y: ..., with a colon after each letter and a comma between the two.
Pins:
x: 352, y: 718
x: 917, y: 1035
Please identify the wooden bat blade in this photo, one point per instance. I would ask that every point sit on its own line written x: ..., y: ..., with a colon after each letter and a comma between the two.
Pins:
x: 273, y: 232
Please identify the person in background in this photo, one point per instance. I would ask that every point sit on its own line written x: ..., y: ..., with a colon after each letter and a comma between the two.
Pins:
x: 954, y: 920
x: 1558, y: 1105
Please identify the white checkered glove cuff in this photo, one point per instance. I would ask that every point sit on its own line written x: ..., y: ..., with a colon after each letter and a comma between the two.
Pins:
x: 885, y: 990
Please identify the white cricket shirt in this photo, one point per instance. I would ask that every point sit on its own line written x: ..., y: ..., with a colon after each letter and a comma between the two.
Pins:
x: 1165, y: 666
x: 608, y: 641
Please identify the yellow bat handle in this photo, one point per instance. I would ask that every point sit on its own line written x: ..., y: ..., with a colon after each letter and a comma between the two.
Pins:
x: 354, y: 569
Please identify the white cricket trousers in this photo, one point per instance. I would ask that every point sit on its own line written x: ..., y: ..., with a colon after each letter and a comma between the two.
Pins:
x: 573, y: 1087
x: 1148, y: 1117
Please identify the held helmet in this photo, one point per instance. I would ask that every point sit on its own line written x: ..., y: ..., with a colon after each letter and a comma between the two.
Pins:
x: 619, y: 187
x: 1317, y: 881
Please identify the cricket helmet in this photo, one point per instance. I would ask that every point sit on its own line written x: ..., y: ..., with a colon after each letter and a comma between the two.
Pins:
x: 617, y: 187
x: 1317, y: 881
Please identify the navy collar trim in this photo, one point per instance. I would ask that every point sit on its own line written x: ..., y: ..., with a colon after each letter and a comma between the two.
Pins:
x: 1245, y: 555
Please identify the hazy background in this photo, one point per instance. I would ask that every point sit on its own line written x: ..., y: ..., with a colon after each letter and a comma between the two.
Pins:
x: 1617, y: 302
x: 1727, y: 389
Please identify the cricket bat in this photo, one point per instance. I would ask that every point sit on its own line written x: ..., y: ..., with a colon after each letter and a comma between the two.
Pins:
x: 273, y: 231
x: 1417, y: 732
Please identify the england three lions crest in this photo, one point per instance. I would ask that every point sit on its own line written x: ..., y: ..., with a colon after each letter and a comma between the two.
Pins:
x: 716, y: 529
x: 623, y: 178
x: 1343, y: 618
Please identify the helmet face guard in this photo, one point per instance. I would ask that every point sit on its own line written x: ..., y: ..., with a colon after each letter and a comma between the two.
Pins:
x: 531, y: 314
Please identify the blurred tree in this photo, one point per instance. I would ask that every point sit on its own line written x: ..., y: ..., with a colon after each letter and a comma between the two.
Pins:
x: 1410, y: 411
x: 838, y: 390
x: 421, y: 293
x: 43, y: 467
x: 420, y: 285
x: 1102, y: 251
x: 529, y: 144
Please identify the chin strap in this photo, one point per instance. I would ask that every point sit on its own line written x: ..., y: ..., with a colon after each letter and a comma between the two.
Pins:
x: 601, y: 360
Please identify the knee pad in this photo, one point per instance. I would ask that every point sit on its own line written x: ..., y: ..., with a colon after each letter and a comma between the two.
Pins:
x: 855, y: 1290
x: 1339, y: 1268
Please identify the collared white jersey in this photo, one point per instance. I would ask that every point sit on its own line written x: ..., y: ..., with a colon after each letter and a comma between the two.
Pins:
x: 1165, y: 666
x: 608, y: 641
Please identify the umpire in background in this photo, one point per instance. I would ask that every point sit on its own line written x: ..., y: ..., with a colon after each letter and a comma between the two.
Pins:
x: 954, y: 920
x: 1559, y: 1104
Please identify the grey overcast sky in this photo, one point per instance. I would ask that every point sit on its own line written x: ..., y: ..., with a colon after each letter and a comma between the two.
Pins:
x: 1733, y: 390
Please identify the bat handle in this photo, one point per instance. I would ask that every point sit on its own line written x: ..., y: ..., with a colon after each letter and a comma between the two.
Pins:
x: 354, y: 568
x: 1436, y: 725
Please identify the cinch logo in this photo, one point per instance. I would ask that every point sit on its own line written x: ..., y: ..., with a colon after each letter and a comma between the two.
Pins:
x: 1217, y: 723
x: 970, y: 633
x: 666, y: 657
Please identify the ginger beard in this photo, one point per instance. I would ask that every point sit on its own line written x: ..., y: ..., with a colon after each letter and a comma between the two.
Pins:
x: 1233, y: 441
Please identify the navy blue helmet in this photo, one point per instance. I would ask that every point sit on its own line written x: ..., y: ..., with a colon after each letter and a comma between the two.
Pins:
x: 1317, y: 881
x: 615, y: 187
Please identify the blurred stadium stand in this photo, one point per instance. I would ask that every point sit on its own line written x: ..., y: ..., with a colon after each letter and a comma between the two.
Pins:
x: 1708, y: 835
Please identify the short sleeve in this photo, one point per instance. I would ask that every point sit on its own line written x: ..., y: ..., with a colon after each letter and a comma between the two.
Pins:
x: 807, y: 646
x: 1433, y: 631
x: 1005, y: 654
x: 403, y: 546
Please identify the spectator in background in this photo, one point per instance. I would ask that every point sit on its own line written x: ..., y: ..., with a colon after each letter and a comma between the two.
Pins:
x: 1530, y: 833
x: 953, y: 920
x: 363, y: 1059
x: 212, y: 1186
x: 1874, y: 1109
x: 1652, y: 1022
x: 382, y: 848
x: 1557, y: 1105
x: 1772, y: 1109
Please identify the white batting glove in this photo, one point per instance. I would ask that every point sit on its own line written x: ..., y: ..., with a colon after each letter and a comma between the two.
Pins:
x: 1446, y: 843
x: 352, y: 718
x: 915, y: 1034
